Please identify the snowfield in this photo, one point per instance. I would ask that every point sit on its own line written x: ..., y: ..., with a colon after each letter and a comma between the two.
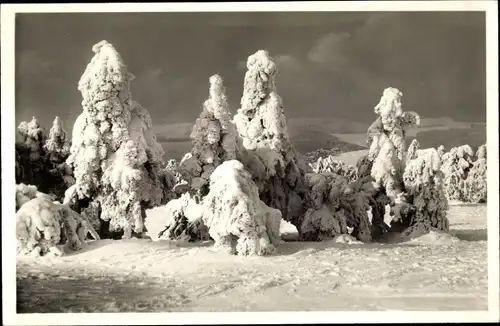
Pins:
x: 434, y: 272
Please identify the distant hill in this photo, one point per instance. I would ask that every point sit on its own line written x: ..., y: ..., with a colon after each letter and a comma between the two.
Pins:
x: 314, y: 137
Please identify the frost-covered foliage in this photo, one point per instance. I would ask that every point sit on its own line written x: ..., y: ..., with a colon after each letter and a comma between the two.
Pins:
x: 266, y: 150
x: 423, y: 181
x: 40, y: 161
x: 476, y: 185
x: 31, y: 159
x: 184, y: 220
x: 334, y: 205
x: 213, y: 137
x: 456, y: 165
x: 43, y: 226
x: 116, y: 159
x: 238, y: 220
x: 330, y: 165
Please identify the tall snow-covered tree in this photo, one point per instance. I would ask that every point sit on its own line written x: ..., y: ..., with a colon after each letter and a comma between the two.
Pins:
x: 214, y: 141
x: 456, y: 165
x: 117, y: 162
x: 213, y: 138
x: 386, y: 137
x: 263, y: 136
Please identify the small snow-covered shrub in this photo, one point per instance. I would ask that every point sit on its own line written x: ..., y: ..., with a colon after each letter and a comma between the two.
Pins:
x: 237, y: 219
x: 43, y: 225
x: 184, y: 220
x: 333, y: 205
x: 456, y: 165
x: 265, y: 148
x: 423, y: 181
x: 476, y: 185
x: 117, y: 162
x: 330, y: 164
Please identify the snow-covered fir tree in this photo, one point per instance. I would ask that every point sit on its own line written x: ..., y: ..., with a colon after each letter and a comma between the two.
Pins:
x: 266, y: 150
x: 31, y: 154
x: 423, y: 180
x: 117, y: 162
x: 57, y: 145
x: 456, y: 165
x: 213, y: 138
x: 330, y: 165
x: 476, y: 185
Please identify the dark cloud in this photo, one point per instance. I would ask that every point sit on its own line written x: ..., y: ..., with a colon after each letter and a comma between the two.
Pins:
x: 330, y: 64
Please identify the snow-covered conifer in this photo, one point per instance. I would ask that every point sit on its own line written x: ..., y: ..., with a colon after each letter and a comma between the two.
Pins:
x: 31, y: 160
x: 213, y: 138
x: 333, y: 205
x: 423, y: 181
x: 330, y: 165
x: 57, y: 145
x: 116, y: 159
x: 266, y: 150
x: 476, y: 185
x: 456, y: 165
x: 238, y: 221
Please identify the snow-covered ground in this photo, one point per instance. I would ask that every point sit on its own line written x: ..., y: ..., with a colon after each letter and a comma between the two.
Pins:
x: 435, y: 272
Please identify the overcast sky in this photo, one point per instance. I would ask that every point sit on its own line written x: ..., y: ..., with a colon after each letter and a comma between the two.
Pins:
x: 330, y: 64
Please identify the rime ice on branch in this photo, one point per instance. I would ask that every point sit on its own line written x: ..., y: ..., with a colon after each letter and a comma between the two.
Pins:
x: 238, y: 221
x: 116, y: 159
x: 213, y: 138
x: 266, y: 150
